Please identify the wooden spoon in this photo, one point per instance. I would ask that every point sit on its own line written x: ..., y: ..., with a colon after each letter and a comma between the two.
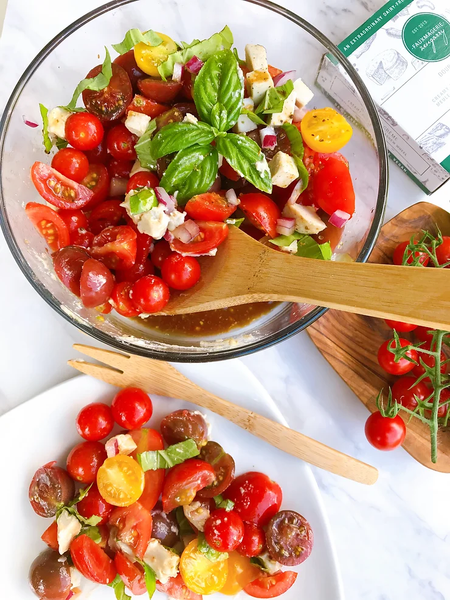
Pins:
x: 245, y: 271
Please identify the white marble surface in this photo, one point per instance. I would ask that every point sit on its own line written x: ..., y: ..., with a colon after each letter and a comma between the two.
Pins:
x: 393, y: 538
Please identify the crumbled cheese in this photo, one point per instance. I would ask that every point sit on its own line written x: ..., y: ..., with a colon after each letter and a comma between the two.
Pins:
x: 287, y: 114
x: 137, y: 123
x: 256, y: 57
x: 262, y: 166
x: 283, y: 169
x: 164, y: 562
x: 188, y: 118
x: 75, y: 577
x: 176, y: 218
x: 258, y: 82
x: 292, y: 248
x: 244, y: 124
x: 271, y: 566
x: 137, y: 168
x: 156, y: 221
x: 120, y: 444
x: 197, y: 514
x: 57, y: 118
x: 306, y: 219
x: 303, y: 93
x: 68, y: 527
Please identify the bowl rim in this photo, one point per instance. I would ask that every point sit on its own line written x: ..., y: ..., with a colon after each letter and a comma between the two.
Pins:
x: 207, y: 355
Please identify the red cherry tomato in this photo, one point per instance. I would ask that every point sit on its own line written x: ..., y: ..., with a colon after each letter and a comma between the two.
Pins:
x: 142, y: 265
x: 442, y: 410
x: 84, y: 131
x: 271, y: 586
x: 131, y: 408
x: 131, y: 573
x: 107, y: 214
x: 399, y: 326
x: 180, y: 272
x: 256, y: 497
x: 95, y: 421
x: 110, y: 103
x: 96, y: 283
x: 209, y: 207
x: 212, y: 234
x: 128, y: 63
x: 160, y: 252
x: 147, y: 439
x: 57, y: 189
x: 443, y: 252
x: 97, y: 182
x: 98, y: 155
x: 142, y: 179
x: 399, y: 254
x: 419, y: 370
x: 49, y: 224
x: 93, y: 505
x: 116, y: 247
x: 50, y: 536
x: 385, y: 433
x: 387, y: 362
x: 121, y: 301
x: 187, y: 79
x: 68, y: 264
x: 150, y: 294
x: 405, y: 390
x: 176, y: 588
x: 261, y: 211
x: 184, y: 481
x: 224, y: 530
x: 119, y: 168
x: 227, y: 171
x: 92, y: 562
x: 253, y: 541
x: 78, y: 226
x: 71, y: 163
x: 424, y: 334
x: 148, y: 107
x: 158, y: 90
x: 85, y: 460
x: 132, y: 525
x: 333, y: 187
x: 120, y: 143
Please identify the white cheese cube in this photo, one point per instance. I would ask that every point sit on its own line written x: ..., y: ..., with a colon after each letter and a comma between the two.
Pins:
x: 137, y: 123
x: 292, y: 248
x: 68, y: 527
x: 256, y: 57
x: 57, y: 118
x: 303, y: 93
x: 164, y: 562
x: 120, y: 444
x: 306, y: 219
x: 287, y: 114
x: 248, y: 104
x: 197, y: 514
x: 176, y: 218
x: 137, y: 168
x: 154, y: 222
x: 283, y: 169
x: 258, y: 82
x: 244, y: 124
x: 188, y: 118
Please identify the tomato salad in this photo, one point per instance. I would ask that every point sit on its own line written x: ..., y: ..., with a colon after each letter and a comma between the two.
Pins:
x: 160, y: 509
x: 175, y: 144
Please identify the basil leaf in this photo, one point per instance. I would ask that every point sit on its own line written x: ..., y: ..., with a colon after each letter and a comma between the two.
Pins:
x: 119, y: 588
x: 81, y: 494
x: 219, y: 90
x: 178, y: 136
x: 48, y: 144
x: 171, y: 456
x: 210, y: 553
x: 134, y: 37
x: 60, y: 143
x: 253, y: 117
x: 246, y: 157
x: 298, y: 151
x: 306, y: 245
x: 150, y: 579
x: 235, y: 222
x: 97, y: 83
x: 183, y: 523
x: 222, y: 503
x: 143, y: 148
x: 240, y: 61
x: 202, y: 50
x: 274, y: 98
x: 191, y: 172
x: 143, y: 201
x: 93, y: 532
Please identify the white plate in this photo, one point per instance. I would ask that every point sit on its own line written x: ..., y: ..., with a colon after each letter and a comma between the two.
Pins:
x: 43, y: 429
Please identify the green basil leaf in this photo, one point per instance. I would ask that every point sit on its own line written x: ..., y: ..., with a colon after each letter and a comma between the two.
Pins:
x: 97, y: 83
x: 253, y: 117
x: 178, y: 136
x: 246, y: 157
x: 219, y: 88
x: 240, y: 61
x: 150, y: 579
x: 93, y: 532
x: 60, y: 143
x: 119, y: 588
x: 143, y: 201
x: 274, y: 98
x: 202, y: 50
x: 183, y: 523
x: 210, y: 553
x: 298, y: 151
x: 191, y: 172
x: 222, y: 503
x: 48, y: 144
x: 143, y: 148
x: 134, y: 37
x: 286, y: 240
x: 235, y: 222
x: 81, y: 494
x: 171, y: 456
x: 306, y: 245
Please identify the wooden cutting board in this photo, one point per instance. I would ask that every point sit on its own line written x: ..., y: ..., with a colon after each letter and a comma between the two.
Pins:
x: 350, y: 342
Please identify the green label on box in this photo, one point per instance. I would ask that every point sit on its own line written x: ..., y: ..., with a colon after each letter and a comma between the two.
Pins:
x: 426, y: 36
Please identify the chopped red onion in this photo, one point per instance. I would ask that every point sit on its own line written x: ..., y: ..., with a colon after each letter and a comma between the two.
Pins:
x: 282, y: 78
x: 168, y: 236
x: 232, y: 198
x: 118, y: 186
x: 268, y: 138
x: 30, y: 123
x: 285, y: 226
x: 194, y: 65
x: 295, y: 194
x: 177, y: 74
x: 71, y: 595
x: 187, y: 231
x: 166, y: 200
x: 339, y: 218
x: 112, y: 447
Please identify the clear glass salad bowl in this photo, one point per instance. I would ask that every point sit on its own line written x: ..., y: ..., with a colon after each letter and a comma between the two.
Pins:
x: 291, y: 43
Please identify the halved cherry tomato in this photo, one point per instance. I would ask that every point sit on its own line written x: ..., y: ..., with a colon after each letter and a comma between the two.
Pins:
x: 200, y: 574
x: 96, y: 283
x: 261, y: 211
x: 271, y: 586
x: 159, y: 91
x: 160, y: 252
x: 84, y: 131
x: 121, y: 301
x: 95, y: 421
x: 50, y: 536
x: 273, y: 71
x: 120, y: 143
x: 241, y: 572
x: 98, y: 154
x: 107, y: 214
x: 128, y: 62
x: 68, y: 264
x: 142, y: 179
x: 148, y: 58
x: 399, y: 254
x: 253, y: 541
x: 111, y: 102
x: 92, y: 562
x: 180, y: 272
x: 71, y: 163
x: 256, y: 497
x: 325, y: 130
x: 116, y: 247
x: 132, y: 525
x: 104, y: 309
x: 184, y: 481
x: 50, y: 487
x: 209, y: 207
x: 59, y: 190
x: 399, y: 326
x: 119, y: 168
x: 333, y: 187
x: 49, y: 224
x: 187, y: 79
x: 223, y: 465
x: 93, y: 504
x: 85, y: 460
x: 212, y: 234
x: 150, y: 294
x: 227, y: 171
x: 149, y: 439
x: 78, y: 226
x: 386, y: 358
x: 142, y: 265
x: 186, y: 107
x: 131, y: 573
x: 146, y: 106
x: 224, y: 530
x: 443, y: 252
x: 120, y: 480
x: 131, y: 408
x: 176, y: 588
x: 97, y: 182
x: 289, y: 538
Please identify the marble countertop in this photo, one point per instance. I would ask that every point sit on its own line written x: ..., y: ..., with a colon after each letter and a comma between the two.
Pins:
x: 392, y: 539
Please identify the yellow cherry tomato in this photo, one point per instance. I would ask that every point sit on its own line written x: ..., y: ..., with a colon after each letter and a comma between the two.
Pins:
x: 201, y: 575
x: 120, y: 480
x: 325, y: 130
x: 240, y: 573
x: 148, y: 58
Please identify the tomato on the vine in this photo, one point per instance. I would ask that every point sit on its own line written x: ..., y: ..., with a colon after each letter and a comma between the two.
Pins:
x: 429, y: 361
x: 385, y: 433
x: 399, y: 326
x: 405, y: 391
x: 443, y: 252
x: 399, y: 254
x: 386, y: 358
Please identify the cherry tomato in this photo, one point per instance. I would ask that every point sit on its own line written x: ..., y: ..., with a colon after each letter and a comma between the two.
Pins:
x: 92, y: 562
x: 85, y: 460
x: 442, y: 410
x: 119, y: 168
x: 289, y: 538
x: 424, y: 334
x: 223, y: 465
x: 405, y: 390
x: 227, y: 171
x: 120, y: 480
x: 387, y: 362
x: 211, y: 235
x: 49, y: 224
x: 184, y: 481
x: 75, y: 220
x: 419, y: 370
x: 253, y: 541
x: 176, y: 588
x: 261, y: 211
x: 160, y: 252
x: 224, y: 530
x: 325, y: 130
x: 165, y: 527
x: 273, y: 71
x: 68, y: 264
x: 142, y: 179
x: 271, y: 586
x: 84, y: 131
x: 399, y: 254
x: 96, y: 283
x: 50, y: 536
x: 111, y: 102
x: 97, y: 182
x: 149, y: 439
x: 57, y: 189
x: 150, y: 294
x: 148, y: 107
x: 186, y: 107
x: 50, y: 487
x: 128, y: 62
x: 256, y: 497
x: 200, y: 574
x: 148, y: 58
x: 71, y: 163
x: 180, y: 272
x: 142, y: 265
x: 95, y: 421
x: 183, y: 425
x: 187, y: 79
x: 385, y: 433
x: 107, y: 214
x: 443, y: 252
x: 98, y: 155
x: 131, y: 408
x: 132, y: 525
x: 93, y: 504
x: 120, y: 143
x: 115, y: 247
x: 131, y: 573
x: 209, y: 207
x: 50, y: 576
x: 399, y: 326
x: 158, y: 90
x: 121, y: 301
x: 333, y: 187
x: 240, y: 573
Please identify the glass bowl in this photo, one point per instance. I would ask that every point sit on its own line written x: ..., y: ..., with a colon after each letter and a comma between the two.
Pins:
x: 291, y: 42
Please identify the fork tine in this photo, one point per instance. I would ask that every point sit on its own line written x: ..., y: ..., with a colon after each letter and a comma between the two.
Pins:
x: 113, y: 359
x: 107, y: 374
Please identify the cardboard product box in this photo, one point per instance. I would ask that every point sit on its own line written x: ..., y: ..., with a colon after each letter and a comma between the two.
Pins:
x: 402, y: 53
